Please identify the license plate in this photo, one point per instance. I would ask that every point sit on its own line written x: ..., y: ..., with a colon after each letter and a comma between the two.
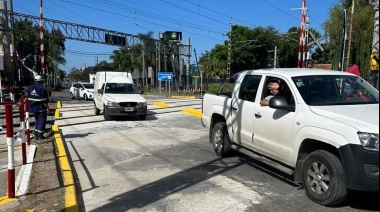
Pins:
x: 129, y: 109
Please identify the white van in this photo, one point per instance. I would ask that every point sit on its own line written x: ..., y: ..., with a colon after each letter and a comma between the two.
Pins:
x: 116, y: 95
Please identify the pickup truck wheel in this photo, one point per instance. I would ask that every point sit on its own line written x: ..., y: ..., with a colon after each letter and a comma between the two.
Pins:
x: 221, y: 140
x: 323, y: 178
x: 107, y: 116
x: 97, y: 111
x: 85, y: 97
x: 72, y: 96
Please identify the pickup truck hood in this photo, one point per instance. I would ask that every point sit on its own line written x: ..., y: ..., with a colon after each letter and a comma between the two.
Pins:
x: 364, y: 118
x: 124, y: 98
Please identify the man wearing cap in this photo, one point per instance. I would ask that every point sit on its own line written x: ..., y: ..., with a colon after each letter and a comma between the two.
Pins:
x: 38, y: 105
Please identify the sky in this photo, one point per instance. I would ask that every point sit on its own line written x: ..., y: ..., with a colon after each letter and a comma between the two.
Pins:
x: 205, y: 22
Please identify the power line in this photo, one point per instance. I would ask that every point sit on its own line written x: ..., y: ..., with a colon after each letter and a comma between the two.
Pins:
x: 135, y: 11
x: 281, y: 10
x: 214, y: 11
x: 194, y: 12
x: 143, y: 20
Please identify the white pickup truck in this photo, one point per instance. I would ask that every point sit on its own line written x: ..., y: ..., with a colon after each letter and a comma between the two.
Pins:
x: 322, y: 128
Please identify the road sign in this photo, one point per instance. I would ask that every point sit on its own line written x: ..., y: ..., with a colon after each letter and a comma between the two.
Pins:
x: 165, y: 76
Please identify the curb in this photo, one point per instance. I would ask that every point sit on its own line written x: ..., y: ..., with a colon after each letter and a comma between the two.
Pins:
x: 193, y: 112
x: 71, y: 203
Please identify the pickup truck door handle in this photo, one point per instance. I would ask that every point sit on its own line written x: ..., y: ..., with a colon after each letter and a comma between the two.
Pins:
x: 258, y: 115
x: 234, y: 107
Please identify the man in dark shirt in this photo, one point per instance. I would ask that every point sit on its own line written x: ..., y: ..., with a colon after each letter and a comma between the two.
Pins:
x: 38, y: 105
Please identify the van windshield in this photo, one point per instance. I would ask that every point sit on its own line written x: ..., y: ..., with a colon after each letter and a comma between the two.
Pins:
x: 336, y: 90
x: 120, y: 88
x: 88, y: 86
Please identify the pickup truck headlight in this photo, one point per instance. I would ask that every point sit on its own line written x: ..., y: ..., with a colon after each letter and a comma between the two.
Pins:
x: 113, y: 104
x: 369, y: 141
x: 141, y: 104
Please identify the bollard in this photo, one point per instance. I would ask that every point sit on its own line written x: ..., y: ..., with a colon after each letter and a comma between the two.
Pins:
x: 11, y: 163
x: 22, y: 126
x: 27, y: 121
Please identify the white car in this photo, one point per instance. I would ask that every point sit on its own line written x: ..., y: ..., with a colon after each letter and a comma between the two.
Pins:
x: 83, y: 90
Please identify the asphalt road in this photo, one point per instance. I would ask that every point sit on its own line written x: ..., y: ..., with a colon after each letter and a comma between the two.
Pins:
x: 165, y: 163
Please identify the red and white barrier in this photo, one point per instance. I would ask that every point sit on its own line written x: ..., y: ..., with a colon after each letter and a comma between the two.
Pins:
x: 10, y: 144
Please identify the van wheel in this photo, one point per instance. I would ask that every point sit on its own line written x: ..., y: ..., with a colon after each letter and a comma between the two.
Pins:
x: 85, y: 97
x: 97, y: 111
x: 106, y: 114
x: 72, y: 96
x: 323, y: 178
x: 221, y: 140
x: 142, y: 116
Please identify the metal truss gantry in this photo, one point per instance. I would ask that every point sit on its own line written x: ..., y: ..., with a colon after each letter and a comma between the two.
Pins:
x: 98, y: 35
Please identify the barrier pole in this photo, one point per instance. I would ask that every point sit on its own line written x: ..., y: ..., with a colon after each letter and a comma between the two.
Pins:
x: 11, y: 161
x: 22, y: 126
x: 27, y: 121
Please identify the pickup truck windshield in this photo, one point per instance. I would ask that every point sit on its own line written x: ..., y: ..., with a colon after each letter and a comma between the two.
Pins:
x: 120, y: 88
x: 335, y: 90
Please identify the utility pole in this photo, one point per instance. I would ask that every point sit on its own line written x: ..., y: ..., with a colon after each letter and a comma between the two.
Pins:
x: 5, y: 40
x: 188, y: 63
x: 229, y: 53
x: 275, y: 57
x: 14, y: 55
x: 199, y: 71
x: 143, y: 66
x: 159, y: 59
x: 350, y: 33
x: 97, y: 61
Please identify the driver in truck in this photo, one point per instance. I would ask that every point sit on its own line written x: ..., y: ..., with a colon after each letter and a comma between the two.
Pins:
x: 273, y: 87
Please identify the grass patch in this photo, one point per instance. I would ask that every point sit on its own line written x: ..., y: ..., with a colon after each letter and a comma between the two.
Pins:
x: 46, y: 191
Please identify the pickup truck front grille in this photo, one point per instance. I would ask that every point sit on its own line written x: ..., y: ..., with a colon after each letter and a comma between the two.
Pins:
x: 128, y: 104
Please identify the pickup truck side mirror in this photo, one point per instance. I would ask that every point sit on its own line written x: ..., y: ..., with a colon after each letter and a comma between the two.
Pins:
x: 280, y: 103
x: 100, y: 91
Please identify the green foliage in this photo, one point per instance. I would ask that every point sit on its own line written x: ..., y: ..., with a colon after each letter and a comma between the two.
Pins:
x: 362, y: 34
x: 28, y: 44
x: 213, y: 88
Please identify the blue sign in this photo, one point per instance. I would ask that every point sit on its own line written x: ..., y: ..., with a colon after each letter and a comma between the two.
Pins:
x: 165, y: 76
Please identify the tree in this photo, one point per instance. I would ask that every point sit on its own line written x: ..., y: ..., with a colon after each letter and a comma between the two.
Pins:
x: 362, y: 33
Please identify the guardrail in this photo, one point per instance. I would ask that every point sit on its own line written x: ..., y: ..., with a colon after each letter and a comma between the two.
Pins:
x: 22, y: 106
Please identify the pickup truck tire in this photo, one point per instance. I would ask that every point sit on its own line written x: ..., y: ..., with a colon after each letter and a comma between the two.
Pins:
x: 323, y: 178
x: 85, y: 97
x: 97, y: 111
x: 221, y: 140
x: 107, y: 116
x: 72, y: 96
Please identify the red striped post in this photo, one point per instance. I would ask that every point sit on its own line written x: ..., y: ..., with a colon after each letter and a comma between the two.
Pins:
x: 42, y: 53
x: 11, y: 160
x: 27, y: 121
x: 22, y: 126
x: 301, y: 48
x: 304, y: 34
